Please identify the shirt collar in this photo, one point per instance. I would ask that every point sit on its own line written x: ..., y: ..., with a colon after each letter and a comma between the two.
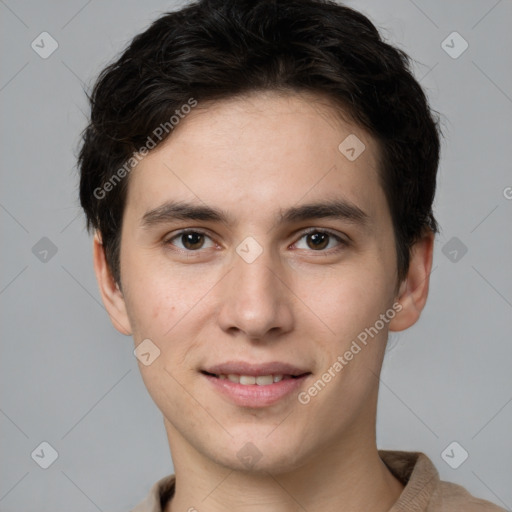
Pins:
x: 414, y: 469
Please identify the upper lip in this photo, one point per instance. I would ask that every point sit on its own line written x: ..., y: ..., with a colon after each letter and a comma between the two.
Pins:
x: 255, y: 370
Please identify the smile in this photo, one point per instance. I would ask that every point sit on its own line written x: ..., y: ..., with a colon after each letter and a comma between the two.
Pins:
x: 247, y: 380
x: 255, y: 391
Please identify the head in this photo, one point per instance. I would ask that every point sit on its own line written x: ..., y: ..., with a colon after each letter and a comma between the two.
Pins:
x: 249, y: 123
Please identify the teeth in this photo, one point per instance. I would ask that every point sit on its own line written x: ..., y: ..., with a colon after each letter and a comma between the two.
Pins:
x: 246, y: 380
x: 264, y: 380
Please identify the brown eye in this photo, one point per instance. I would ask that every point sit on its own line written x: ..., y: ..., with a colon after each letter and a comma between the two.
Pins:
x: 319, y: 240
x: 192, y: 240
x: 189, y: 240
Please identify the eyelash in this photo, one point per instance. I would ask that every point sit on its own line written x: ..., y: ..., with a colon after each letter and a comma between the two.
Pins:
x: 342, y: 243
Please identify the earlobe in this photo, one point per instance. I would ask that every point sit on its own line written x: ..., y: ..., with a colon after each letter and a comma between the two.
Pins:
x: 414, y: 289
x: 111, y: 294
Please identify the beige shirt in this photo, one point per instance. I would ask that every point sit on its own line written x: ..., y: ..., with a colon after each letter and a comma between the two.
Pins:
x: 423, y: 491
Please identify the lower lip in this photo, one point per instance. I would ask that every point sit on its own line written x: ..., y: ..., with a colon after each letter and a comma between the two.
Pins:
x: 253, y: 395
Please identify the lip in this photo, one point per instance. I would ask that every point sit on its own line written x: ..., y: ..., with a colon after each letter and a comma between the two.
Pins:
x: 255, y: 370
x: 253, y: 395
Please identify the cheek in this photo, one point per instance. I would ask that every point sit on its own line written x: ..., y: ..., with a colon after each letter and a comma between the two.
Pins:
x: 153, y: 312
x: 154, y: 294
x: 166, y: 306
x: 347, y: 299
x: 162, y: 305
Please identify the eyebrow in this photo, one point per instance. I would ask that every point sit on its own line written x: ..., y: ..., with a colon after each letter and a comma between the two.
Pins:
x: 180, y: 210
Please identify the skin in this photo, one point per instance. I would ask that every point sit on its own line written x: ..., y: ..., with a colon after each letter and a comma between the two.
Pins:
x: 253, y: 156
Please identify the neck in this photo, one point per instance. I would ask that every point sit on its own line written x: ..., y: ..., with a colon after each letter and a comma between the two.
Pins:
x: 347, y: 477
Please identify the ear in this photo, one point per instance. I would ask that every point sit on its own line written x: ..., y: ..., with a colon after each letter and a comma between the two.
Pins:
x: 111, y: 294
x: 414, y: 288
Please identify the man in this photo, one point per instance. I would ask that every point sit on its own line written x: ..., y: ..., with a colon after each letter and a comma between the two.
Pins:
x: 260, y: 177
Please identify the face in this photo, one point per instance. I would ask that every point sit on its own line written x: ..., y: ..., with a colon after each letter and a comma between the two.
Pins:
x: 288, y: 259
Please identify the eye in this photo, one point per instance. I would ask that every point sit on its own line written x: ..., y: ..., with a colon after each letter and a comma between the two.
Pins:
x: 318, y: 240
x: 191, y: 240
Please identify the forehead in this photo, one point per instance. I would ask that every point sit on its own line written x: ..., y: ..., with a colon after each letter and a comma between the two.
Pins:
x: 258, y: 154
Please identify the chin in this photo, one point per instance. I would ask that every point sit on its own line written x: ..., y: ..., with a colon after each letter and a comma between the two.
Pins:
x: 261, y: 455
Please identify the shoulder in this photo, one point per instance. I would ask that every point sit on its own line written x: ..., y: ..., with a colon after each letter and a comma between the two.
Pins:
x: 454, y: 497
x: 158, y: 495
x: 424, y: 491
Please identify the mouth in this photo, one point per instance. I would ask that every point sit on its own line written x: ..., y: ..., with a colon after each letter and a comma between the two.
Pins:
x: 251, y: 380
x: 255, y: 391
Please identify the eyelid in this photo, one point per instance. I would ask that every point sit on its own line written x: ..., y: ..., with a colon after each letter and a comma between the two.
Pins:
x: 329, y: 231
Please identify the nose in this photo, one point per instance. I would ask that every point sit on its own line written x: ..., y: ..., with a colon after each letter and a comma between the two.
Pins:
x: 256, y: 299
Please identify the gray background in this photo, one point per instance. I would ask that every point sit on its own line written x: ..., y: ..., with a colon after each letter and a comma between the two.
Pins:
x: 68, y: 378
